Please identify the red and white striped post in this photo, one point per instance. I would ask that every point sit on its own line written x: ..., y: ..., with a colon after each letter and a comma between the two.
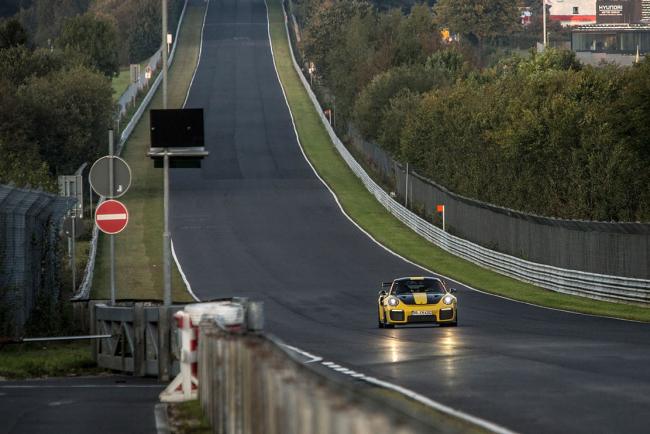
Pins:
x: 185, y: 386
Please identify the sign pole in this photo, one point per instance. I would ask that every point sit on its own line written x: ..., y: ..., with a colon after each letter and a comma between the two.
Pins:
x: 440, y: 209
x: 74, y: 263
x: 544, y: 20
x: 406, y: 199
x: 163, y: 48
x: 167, y: 296
x: 111, y: 174
x: 167, y: 275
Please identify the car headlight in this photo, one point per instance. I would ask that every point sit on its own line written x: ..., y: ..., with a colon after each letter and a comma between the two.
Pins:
x: 393, y: 301
x: 447, y: 299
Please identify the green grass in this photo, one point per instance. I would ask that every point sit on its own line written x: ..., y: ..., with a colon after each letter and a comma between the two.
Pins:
x: 188, y: 418
x: 138, y: 249
x: 373, y: 217
x: 123, y: 80
x: 19, y: 361
x: 121, y: 83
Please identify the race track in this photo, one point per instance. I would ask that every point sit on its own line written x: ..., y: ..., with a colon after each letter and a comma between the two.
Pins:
x: 255, y: 221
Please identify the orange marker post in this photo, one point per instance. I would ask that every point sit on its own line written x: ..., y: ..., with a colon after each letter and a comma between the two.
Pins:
x: 441, y: 209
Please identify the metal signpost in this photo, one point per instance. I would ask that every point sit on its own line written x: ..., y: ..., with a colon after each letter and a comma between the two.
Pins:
x: 176, y: 139
x: 110, y: 177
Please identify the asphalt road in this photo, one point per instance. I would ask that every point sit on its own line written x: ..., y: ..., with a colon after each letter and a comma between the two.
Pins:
x: 101, y: 405
x: 255, y: 221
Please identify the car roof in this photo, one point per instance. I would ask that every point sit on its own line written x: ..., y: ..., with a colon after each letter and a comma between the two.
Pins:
x: 401, y: 279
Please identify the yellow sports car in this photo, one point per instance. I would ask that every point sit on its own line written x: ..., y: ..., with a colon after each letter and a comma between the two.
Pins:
x: 417, y: 300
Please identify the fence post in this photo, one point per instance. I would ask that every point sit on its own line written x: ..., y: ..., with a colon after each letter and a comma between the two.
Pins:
x: 139, y: 349
x: 164, y: 336
x: 92, y: 329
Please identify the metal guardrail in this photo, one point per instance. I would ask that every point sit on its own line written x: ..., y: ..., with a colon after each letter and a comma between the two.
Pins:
x: 592, y: 285
x: 84, y: 289
x: 251, y: 383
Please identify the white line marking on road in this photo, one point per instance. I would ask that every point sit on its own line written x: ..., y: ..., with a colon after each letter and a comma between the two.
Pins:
x: 431, y: 403
x: 312, y: 358
x: 198, y: 61
x: 58, y: 403
x: 336, y: 199
x: 183, y: 276
x: 101, y: 217
x: 415, y: 396
x: 187, y: 95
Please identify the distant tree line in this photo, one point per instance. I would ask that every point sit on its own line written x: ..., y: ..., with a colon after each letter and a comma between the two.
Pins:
x: 56, y: 61
x: 137, y: 23
x: 55, y: 109
x: 542, y: 134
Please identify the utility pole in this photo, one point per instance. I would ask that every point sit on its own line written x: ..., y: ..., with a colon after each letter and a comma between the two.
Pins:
x: 111, y: 182
x: 544, y: 21
x: 167, y: 268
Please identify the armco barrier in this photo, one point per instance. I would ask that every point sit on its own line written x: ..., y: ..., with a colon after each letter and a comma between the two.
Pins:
x: 84, y: 289
x: 592, y: 285
x: 252, y: 383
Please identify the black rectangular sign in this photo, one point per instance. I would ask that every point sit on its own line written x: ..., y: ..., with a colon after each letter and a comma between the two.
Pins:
x: 176, y: 128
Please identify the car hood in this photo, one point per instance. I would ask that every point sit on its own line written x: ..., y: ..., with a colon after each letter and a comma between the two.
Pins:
x: 420, y: 298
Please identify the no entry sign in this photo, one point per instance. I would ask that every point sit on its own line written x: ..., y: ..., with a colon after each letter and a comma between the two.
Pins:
x: 111, y: 217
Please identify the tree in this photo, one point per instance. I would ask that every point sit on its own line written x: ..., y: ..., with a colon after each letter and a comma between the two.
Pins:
x: 67, y: 114
x: 478, y: 19
x: 144, y: 38
x: 12, y: 34
x: 94, y: 40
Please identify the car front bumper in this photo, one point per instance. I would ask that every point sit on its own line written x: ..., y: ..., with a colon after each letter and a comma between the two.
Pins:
x: 421, y: 314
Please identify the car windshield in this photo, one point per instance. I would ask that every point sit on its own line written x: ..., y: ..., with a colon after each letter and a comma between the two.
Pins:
x: 425, y: 285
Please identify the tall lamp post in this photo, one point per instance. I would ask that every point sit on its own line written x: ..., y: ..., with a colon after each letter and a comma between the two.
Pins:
x: 167, y: 266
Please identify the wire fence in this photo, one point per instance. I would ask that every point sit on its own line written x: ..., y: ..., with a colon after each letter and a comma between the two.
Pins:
x: 84, y: 289
x: 29, y: 263
x: 596, y: 285
x: 619, y: 249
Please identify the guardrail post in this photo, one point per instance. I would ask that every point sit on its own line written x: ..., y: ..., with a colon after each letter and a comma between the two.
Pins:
x: 92, y: 328
x: 139, y: 349
x: 164, y: 336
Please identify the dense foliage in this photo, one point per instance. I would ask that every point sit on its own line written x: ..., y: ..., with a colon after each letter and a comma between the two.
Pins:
x: 93, y: 40
x: 137, y: 22
x: 542, y: 134
x: 54, y: 113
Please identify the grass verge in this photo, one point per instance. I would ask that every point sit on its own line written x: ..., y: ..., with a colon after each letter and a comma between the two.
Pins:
x: 18, y: 361
x: 138, y: 249
x: 188, y: 418
x: 373, y: 217
x: 121, y: 82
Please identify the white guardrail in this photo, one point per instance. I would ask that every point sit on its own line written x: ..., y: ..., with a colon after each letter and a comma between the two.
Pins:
x: 84, y: 289
x: 592, y: 285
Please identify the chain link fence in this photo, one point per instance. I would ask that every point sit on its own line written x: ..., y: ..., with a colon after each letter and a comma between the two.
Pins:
x: 603, y: 284
x: 29, y: 264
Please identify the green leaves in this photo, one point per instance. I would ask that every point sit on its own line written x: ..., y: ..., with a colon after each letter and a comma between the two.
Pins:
x: 93, y: 40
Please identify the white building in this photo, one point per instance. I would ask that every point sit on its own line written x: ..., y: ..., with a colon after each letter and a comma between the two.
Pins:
x: 573, y: 12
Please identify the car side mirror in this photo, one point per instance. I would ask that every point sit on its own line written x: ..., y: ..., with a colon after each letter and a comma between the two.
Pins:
x: 382, y: 293
x: 453, y: 290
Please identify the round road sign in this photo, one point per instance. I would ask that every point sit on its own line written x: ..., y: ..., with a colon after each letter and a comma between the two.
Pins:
x: 99, y: 177
x: 111, y: 217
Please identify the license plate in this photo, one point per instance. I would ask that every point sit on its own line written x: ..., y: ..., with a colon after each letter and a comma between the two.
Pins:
x: 421, y: 312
